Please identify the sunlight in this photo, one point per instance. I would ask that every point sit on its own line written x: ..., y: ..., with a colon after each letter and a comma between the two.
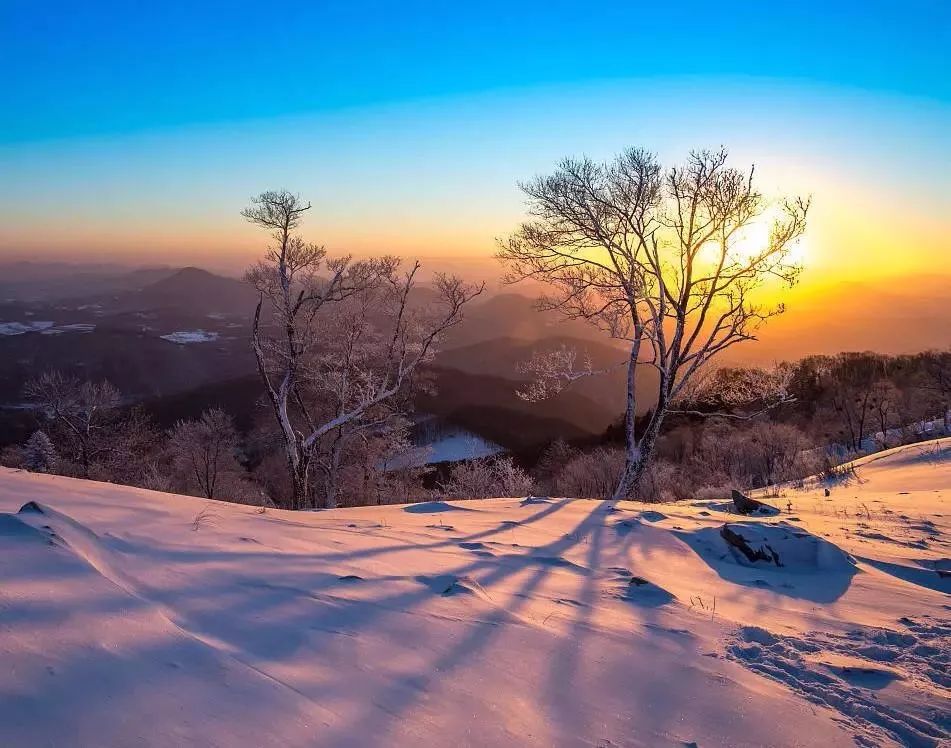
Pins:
x: 754, y: 237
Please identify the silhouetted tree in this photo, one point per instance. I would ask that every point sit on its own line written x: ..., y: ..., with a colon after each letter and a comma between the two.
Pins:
x: 665, y: 260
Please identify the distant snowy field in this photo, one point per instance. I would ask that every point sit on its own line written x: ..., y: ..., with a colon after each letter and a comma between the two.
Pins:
x: 129, y: 617
x: 45, y: 327
x: 21, y: 328
x: 447, y: 444
x: 184, y: 337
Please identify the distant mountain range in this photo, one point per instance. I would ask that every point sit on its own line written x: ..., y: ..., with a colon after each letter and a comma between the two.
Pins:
x: 45, y: 282
x: 177, y: 339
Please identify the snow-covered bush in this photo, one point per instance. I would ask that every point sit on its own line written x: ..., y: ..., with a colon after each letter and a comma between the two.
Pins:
x: 486, y: 478
x: 11, y: 456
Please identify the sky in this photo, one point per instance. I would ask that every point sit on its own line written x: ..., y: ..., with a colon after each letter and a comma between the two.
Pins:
x: 136, y: 131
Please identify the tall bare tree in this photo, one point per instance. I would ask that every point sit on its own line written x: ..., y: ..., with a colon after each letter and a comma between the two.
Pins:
x: 663, y: 259
x: 318, y: 386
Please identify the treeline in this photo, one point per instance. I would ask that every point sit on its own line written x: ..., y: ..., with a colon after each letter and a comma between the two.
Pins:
x: 85, y: 430
x: 837, y: 407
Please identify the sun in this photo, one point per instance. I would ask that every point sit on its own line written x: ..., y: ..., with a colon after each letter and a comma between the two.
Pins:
x: 754, y: 238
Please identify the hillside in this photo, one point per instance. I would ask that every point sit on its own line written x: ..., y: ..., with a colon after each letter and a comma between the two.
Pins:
x: 501, y: 356
x: 515, y: 315
x: 134, y: 617
x: 490, y: 407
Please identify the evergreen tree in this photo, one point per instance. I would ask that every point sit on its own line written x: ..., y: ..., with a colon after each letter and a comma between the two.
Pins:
x: 39, y: 455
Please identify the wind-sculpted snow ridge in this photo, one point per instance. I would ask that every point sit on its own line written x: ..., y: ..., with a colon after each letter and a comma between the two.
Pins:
x: 131, y: 617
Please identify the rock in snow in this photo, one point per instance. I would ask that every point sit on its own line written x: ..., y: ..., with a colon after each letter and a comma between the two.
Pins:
x: 745, y: 505
x: 782, y: 544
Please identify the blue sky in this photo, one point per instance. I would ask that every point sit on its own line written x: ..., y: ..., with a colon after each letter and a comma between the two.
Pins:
x: 86, y: 68
x: 138, y: 130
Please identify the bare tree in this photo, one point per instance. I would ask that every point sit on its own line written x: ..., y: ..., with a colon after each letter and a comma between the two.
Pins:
x: 937, y: 380
x: 204, y: 450
x: 82, y: 411
x: 886, y: 402
x: 849, y: 379
x: 132, y: 449
x: 666, y: 260
x: 367, y: 464
x: 302, y: 286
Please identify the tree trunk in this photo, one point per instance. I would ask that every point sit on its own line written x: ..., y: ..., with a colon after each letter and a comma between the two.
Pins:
x: 631, y: 452
x: 331, y: 487
x: 299, y: 465
x: 647, y: 444
x: 84, y: 459
x: 330, y: 490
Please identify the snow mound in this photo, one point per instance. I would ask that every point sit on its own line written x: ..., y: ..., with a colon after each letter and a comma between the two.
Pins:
x: 636, y: 589
x: 83, y: 542
x: 433, y: 507
x: 782, y: 545
x: 77, y: 649
x: 532, y: 500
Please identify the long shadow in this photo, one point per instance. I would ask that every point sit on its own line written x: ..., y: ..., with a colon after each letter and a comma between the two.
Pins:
x: 178, y: 554
x: 240, y: 625
x: 928, y: 578
x: 270, y: 626
x: 398, y: 698
x: 570, y: 712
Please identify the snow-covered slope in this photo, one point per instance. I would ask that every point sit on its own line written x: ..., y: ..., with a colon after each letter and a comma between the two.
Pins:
x: 129, y: 617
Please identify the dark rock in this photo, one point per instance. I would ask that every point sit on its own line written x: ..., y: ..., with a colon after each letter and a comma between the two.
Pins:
x: 763, y: 553
x: 745, y: 505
